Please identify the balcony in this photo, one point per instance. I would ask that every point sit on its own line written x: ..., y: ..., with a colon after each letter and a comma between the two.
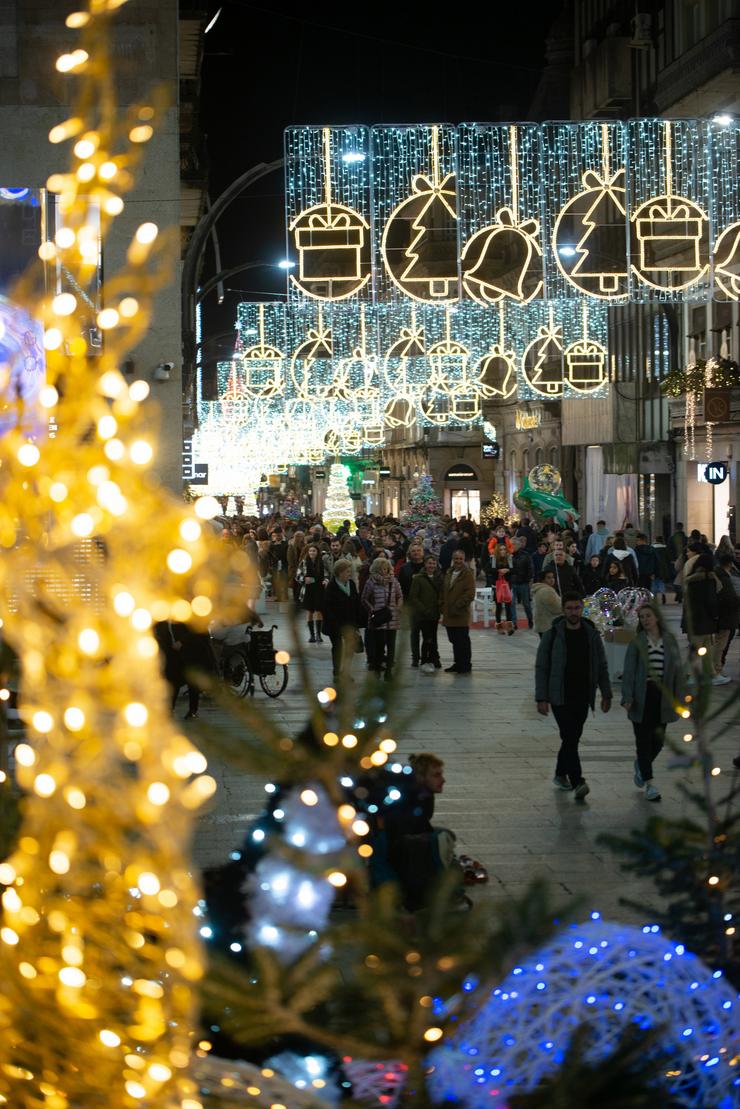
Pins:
x: 602, y: 83
x: 709, y: 69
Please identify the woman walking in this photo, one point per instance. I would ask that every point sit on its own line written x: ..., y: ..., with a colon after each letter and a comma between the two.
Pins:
x: 546, y: 603
x: 504, y: 597
x: 382, y: 597
x: 312, y: 579
x: 652, y: 683
x: 342, y: 617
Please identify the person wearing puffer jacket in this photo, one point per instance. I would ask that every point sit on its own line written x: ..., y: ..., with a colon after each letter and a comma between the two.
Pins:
x: 382, y: 591
x: 546, y: 603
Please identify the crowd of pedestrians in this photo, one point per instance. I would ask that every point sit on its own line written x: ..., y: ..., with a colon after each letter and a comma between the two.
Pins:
x: 370, y: 580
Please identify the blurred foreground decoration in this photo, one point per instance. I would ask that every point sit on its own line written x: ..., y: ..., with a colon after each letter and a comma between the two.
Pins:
x: 99, y: 954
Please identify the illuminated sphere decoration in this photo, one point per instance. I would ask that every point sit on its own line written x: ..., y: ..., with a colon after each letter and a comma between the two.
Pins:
x: 609, y: 977
x: 631, y: 601
x: 602, y: 608
x: 545, y: 478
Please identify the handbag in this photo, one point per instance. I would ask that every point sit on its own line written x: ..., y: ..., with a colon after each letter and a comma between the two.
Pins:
x: 503, y: 592
x: 381, y: 615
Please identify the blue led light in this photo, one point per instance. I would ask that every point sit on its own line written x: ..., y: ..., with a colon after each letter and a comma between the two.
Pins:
x: 235, y: 855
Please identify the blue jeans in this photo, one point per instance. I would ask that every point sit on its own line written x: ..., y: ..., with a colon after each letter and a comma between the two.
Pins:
x: 522, y: 594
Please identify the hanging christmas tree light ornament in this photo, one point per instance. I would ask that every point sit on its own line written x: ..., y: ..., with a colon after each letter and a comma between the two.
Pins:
x: 404, y: 354
x: 589, y: 240
x: 419, y: 241
x: 311, y: 369
x: 542, y: 361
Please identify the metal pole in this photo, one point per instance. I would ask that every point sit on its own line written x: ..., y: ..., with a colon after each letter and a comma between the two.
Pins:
x: 191, y: 267
x: 213, y: 282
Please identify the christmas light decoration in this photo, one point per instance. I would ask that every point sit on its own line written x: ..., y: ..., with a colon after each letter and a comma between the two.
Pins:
x: 338, y: 505
x: 615, y: 211
x: 425, y: 509
x: 99, y: 952
x: 610, y: 976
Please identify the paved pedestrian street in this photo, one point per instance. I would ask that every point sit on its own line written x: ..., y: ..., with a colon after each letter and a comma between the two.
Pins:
x: 499, y: 762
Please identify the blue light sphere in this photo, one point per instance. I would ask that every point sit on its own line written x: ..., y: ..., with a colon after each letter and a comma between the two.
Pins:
x: 609, y: 976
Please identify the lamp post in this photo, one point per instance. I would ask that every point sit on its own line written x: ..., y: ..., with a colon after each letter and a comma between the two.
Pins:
x: 191, y: 269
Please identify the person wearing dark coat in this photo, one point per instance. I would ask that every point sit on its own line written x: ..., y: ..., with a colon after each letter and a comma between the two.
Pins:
x: 566, y: 578
x: 445, y: 552
x: 648, y: 567
x: 700, y: 604
x: 570, y: 667
x: 526, y: 531
x: 312, y: 577
x: 591, y: 576
x: 728, y: 617
x: 342, y: 616
x: 186, y: 654
x: 425, y: 601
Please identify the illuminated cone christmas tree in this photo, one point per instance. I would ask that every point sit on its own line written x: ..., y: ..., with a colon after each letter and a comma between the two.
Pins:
x: 424, y: 508
x: 338, y: 507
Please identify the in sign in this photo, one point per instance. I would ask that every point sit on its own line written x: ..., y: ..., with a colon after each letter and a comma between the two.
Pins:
x: 716, y: 472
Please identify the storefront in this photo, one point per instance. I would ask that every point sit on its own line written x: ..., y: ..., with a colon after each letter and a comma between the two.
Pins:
x: 462, y: 491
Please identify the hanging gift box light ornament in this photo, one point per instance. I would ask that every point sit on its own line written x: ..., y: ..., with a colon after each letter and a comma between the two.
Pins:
x: 331, y: 239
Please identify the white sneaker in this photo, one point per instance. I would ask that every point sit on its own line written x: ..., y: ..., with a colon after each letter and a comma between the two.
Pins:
x: 720, y: 679
x: 427, y: 668
x: 652, y: 793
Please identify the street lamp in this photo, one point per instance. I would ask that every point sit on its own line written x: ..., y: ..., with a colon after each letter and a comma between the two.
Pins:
x: 219, y: 278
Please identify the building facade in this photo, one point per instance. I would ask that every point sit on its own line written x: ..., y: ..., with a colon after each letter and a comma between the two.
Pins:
x: 145, y: 50
x: 676, y: 58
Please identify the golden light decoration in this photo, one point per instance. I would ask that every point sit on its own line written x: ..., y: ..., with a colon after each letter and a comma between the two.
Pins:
x: 332, y: 242
x: 96, y: 976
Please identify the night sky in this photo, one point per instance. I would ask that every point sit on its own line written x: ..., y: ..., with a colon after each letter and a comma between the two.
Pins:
x: 269, y: 65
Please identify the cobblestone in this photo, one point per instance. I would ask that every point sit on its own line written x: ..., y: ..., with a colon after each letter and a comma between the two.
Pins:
x: 499, y: 762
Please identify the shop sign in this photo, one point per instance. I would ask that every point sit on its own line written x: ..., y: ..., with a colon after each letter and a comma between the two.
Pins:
x: 717, y: 404
x: 716, y: 472
x: 461, y: 472
x: 384, y: 471
x: 320, y: 474
x: 527, y: 421
x: 491, y: 450
x: 200, y: 474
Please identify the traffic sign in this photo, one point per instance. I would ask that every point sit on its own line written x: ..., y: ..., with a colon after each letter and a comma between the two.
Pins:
x: 716, y: 472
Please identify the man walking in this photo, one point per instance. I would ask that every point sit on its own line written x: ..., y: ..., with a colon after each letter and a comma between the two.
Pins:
x: 458, y: 593
x: 570, y: 667
x: 596, y: 541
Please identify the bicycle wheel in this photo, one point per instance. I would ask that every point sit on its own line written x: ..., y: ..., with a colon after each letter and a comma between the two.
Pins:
x: 237, y: 674
x: 274, y: 684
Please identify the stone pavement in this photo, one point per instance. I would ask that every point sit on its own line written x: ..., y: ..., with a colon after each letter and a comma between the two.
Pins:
x: 499, y: 761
